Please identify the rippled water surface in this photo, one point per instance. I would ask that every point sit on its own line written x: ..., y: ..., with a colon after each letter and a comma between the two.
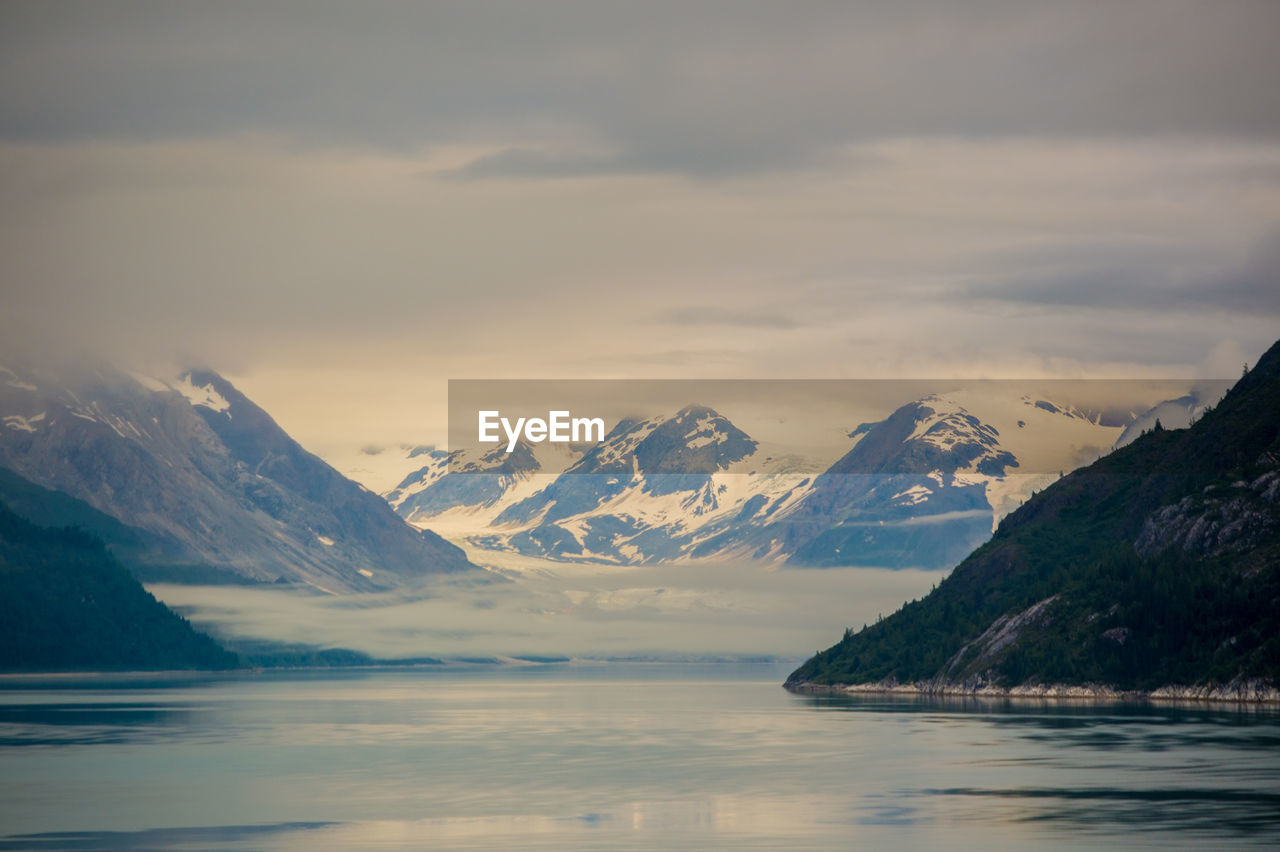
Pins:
x: 619, y: 756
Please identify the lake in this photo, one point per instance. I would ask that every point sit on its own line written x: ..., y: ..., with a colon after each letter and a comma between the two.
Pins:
x: 618, y: 756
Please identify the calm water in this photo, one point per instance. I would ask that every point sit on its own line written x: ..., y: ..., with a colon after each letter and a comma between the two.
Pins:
x: 613, y: 757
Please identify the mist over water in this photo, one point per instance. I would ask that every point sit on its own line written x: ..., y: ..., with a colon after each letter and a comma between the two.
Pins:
x: 536, y: 607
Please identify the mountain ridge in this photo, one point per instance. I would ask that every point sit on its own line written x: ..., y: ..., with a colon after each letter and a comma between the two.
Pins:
x: 693, y: 485
x: 210, y: 477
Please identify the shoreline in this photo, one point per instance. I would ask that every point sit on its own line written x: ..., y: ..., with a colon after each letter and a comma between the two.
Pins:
x: 1247, y: 692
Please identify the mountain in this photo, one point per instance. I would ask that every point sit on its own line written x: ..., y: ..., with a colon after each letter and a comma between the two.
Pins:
x: 917, y: 489
x: 66, y: 604
x: 922, y: 487
x: 147, y: 556
x: 430, y: 490
x: 209, y: 478
x: 1155, y: 569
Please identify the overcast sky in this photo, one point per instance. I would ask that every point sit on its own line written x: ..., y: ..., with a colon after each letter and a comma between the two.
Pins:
x: 343, y: 205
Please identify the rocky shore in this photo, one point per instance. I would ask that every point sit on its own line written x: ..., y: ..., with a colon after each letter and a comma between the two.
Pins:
x: 1238, y: 691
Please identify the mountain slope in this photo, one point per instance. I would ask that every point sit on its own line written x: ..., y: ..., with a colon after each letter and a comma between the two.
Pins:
x: 1157, y: 566
x: 209, y: 476
x: 446, y: 481
x: 145, y: 555
x: 66, y: 604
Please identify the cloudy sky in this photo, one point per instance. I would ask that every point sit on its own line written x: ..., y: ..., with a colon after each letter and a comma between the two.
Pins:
x: 342, y: 205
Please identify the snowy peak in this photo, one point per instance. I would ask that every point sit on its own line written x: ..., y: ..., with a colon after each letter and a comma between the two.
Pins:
x: 982, y: 431
x: 520, y: 461
x: 933, y: 434
x: 209, y: 474
x: 1064, y: 410
x: 958, y: 440
x: 695, y: 440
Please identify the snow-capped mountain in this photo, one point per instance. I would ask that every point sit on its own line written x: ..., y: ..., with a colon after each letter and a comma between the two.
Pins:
x: 928, y: 484
x: 919, y: 488
x: 209, y: 475
x: 459, y: 492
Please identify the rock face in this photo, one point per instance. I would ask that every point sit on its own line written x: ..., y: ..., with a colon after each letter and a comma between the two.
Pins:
x: 1153, y: 572
x: 981, y: 654
x: 209, y: 476
x: 1220, y: 519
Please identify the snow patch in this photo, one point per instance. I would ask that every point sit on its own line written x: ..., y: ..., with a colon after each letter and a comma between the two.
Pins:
x: 203, y: 395
x: 706, y: 432
x: 14, y: 381
x: 913, y: 496
x: 18, y: 423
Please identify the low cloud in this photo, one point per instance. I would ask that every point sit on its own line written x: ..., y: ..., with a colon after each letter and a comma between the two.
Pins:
x: 675, y: 612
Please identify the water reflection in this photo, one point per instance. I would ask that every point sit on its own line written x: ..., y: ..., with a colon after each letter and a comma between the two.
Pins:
x: 1069, y: 710
x: 1238, y: 747
x: 96, y: 723
x: 195, y: 838
x: 1219, y: 812
x: 639, y: 758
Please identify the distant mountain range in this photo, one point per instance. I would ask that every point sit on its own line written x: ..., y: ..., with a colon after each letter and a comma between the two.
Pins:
x: 918, y: 489
x: 203, y: 483
x: 1154, y: 570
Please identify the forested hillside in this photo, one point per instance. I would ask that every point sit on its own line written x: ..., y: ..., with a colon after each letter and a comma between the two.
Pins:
x: 1158, y: 565
x: 67, y: 604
